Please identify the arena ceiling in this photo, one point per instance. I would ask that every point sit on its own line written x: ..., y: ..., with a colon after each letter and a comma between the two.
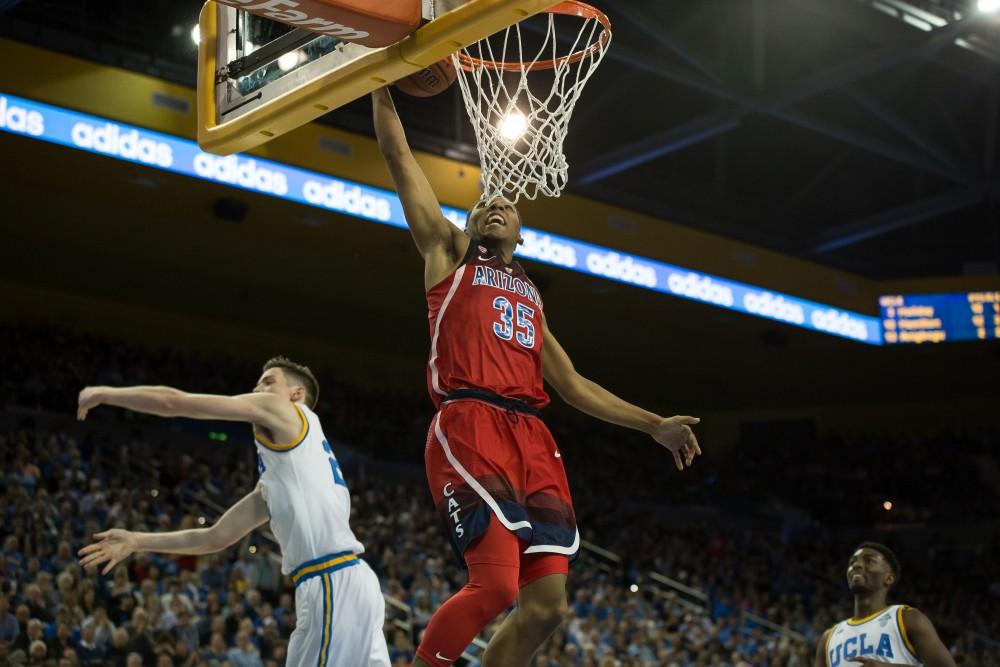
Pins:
x: 855, y: 133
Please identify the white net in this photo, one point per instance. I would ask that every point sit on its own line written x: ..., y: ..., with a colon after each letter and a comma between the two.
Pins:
x: 520, y: 87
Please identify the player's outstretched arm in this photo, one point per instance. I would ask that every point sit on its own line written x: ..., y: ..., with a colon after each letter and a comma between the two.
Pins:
x: 115, y: 545
x: 262, y: 409
x: 929, y: 648
x: 434, y: 235
x: 587, y: 396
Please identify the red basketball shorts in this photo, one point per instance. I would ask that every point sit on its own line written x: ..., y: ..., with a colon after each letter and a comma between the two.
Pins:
x: 482, y: 460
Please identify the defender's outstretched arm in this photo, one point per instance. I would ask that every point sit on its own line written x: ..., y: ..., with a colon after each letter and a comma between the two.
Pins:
x: 115, y: 545
x: 257, y: 408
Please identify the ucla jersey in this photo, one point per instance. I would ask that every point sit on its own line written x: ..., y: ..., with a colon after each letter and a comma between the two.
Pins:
x: 881, y: 636
x: 306, y: 495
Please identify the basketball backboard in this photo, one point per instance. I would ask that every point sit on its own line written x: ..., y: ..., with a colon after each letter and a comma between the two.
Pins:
x: 268, y: 67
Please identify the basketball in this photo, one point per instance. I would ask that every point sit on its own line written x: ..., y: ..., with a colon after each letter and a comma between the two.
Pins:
x: 430, y: 81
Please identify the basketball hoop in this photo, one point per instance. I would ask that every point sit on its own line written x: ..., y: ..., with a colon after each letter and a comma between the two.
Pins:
x: 520, y: 104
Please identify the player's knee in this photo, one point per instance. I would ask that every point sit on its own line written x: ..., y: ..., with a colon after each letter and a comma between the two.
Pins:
x: 505, y: 594
x: 547, y: 613
x: 489, y: 601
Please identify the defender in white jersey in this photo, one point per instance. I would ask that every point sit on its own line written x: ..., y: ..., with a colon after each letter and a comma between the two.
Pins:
x: 339, y: 607
x: 879, y: 633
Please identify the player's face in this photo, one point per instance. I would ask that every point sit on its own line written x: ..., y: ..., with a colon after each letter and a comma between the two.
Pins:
x: 273, y: 381
x: 496, y: 220
x: 868, y: 571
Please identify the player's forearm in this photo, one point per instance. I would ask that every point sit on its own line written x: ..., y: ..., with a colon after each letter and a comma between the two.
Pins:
x: 593, y: 399
x: 388, y: 128
x: 160, y: 401
x: 195, y: 542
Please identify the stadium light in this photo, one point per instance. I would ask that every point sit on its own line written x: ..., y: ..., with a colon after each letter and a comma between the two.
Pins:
x: 513, y: 125
x: 634, y: 588
x: 196, y: 34
x: 988, y: 6
x: 887, y: 505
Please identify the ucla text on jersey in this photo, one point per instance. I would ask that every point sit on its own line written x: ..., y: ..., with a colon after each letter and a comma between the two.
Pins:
x: 881, y: 636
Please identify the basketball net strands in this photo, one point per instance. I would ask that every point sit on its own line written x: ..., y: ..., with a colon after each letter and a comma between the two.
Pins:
x: 520, y: 95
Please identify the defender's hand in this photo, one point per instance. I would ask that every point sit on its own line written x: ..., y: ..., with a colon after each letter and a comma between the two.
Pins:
x: 89, y: 399
x: 675, y: 434
x: 112, y: 546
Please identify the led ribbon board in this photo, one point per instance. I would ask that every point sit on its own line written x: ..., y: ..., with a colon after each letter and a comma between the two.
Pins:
x: 939, y: 318
x: 182, y: 156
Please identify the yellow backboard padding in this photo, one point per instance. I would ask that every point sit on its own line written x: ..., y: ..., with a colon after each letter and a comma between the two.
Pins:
x: 432, y: 42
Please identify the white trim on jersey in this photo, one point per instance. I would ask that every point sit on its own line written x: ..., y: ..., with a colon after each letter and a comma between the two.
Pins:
x: 551, y: 548
x: 455, y: 283
x: 471, y: 481
x: 488, y: 499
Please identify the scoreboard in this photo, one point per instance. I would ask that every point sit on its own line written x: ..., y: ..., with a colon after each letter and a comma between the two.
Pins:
x: 939, y: 318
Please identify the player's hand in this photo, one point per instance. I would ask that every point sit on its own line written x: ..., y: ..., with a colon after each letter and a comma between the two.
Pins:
x: 112, y: 546
x: 872, y: 661
x: 675, y: 434
x: 89, y: 399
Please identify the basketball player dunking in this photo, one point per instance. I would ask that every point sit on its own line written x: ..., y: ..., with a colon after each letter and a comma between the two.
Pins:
x: 495, y: 473
x: 880, y: 634
x: 339, y: 608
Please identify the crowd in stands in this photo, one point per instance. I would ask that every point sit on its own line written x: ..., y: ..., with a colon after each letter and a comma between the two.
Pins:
x: 236, y: 609
x: 392, y: 425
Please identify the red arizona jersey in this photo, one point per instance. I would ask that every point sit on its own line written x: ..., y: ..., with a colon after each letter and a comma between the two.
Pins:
x: 486, y: 330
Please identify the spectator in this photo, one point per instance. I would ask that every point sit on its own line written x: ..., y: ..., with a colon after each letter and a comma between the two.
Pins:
x: 140, y: 637
x: 117, y: 653
x: 88, y: 650
x: 33, y: 632
x: 103, y: 627
x: 37, y: 653
x: 9, y: 628
x: 217, y: 650
x: 265, y: 573
x: 244, y: 654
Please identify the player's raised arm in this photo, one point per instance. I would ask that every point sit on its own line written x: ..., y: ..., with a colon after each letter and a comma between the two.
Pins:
x: 115, y: 545
x: 262, y: 409
x: 432, y: 233
x: 587, y: 396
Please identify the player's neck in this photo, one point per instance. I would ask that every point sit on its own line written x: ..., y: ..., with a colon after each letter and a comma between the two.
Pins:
x: 867, y: 604
x: 503, y: 249
x: 506, y: 253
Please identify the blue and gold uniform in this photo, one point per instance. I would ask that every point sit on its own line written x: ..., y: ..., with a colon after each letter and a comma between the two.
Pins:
x: 881, y: 636
x: 339, y: 607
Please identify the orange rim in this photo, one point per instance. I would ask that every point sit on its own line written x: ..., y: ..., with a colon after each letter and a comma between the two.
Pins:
x: 567, y: 8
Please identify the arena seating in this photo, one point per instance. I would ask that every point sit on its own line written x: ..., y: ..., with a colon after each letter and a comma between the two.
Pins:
x: 768, y: 593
